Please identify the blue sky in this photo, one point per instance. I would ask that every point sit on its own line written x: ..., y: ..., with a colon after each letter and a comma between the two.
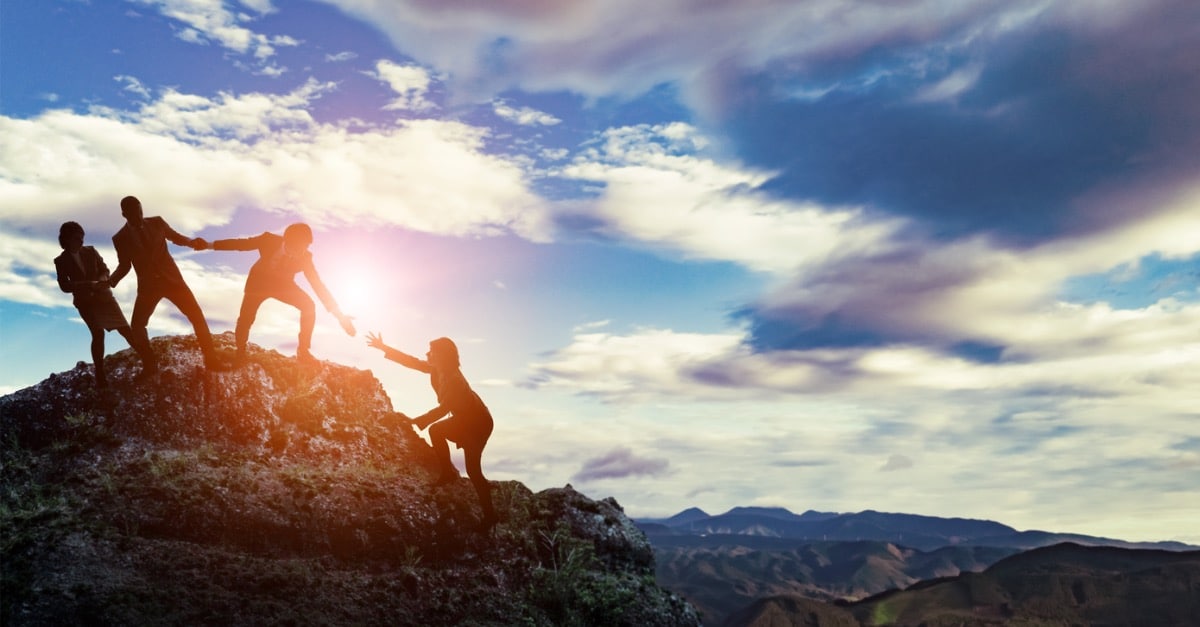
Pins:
x: 929, y: 257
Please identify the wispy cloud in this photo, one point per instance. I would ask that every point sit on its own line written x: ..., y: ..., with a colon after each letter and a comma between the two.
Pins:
x: 524, y: 116
x: 210, y: 20
x: 620, y: 463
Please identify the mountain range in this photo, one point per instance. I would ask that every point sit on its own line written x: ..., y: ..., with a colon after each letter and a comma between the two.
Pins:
x: 725, y: 564
x: 692, y: 526
x: 1063, y: 584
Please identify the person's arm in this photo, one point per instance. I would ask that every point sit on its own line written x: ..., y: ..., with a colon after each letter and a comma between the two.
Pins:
x: 101, y: 267
x: 238, y: 243
x: 197, y: 243
x: 65, y: 282
x: 314, y: 279
x: 431, y: 416
x: 124, y: 263
x: 374, y: 340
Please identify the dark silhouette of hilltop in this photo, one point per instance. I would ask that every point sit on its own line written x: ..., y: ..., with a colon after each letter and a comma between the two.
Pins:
x: 1064, y: 584
x: 283, y: 493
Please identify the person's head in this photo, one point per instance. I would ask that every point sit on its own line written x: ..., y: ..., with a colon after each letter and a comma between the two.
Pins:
x: 131, y: 208
x: 443, y: 353
x: 70, y: 236
x: 297, y: 237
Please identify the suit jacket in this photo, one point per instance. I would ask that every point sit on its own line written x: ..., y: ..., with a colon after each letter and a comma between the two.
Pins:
x: 75, y: 279
x: 277, y: 268
x: 150, y: 258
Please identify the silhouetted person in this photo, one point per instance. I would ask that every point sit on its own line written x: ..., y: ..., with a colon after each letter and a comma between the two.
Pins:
x: 274, y: 276
x: 469, y: 424
x: 142, y: 244
x: 83, y: 274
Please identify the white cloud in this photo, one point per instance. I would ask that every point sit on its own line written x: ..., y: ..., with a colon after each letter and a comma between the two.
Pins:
x: 658, y: 189
x: 27, y: 270
x: 648, y: 363
x: 197, y: 160
x: 410, y: 82
x: 1097, y: 435
x: 211, y: 20
x: 523, y: 116
x: 340, y: 57
x: 897, y: 462
x: 133, y: 85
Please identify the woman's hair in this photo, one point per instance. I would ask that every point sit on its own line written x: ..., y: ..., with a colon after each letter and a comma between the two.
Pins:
x: 445, y: 350
x: 66, y: 230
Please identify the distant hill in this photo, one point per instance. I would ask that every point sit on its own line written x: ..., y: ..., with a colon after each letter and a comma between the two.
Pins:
x: 916, y: 531
x: 1064, y: 584
x: 720, y: 579
x: 726, y: 562
x: 282, y: 493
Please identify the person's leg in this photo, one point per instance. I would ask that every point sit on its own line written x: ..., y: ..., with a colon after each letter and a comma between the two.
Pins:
x: 298, y: 298
x: 143, y: 306
x: 185, y: 300
x: 98, y: 354
x: 473, y: 454
x: 142, y: 347
x: 441, y: 449
x: 251, y: 301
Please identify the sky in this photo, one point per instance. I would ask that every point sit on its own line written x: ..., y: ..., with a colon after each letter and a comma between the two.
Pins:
x: 929, y: 257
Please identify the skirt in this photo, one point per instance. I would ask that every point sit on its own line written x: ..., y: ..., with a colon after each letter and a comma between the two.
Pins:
x: 101, y: 311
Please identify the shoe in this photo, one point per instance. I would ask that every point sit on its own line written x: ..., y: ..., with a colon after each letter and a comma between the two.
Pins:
x: 240, y: 359
x: 212, y: 363
x: 148, y: 373
x: 305, y: 357
x: 488, y: 522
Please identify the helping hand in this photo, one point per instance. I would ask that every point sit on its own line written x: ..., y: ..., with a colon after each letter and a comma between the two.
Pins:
x: 200, y: 243
x: 375, y: 340
x: 347, y: 324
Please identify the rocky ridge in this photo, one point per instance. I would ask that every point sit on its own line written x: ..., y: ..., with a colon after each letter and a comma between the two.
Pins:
x: 283, y: 493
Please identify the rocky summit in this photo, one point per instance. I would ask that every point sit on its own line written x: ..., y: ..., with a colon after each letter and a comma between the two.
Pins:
x: 283, y: 493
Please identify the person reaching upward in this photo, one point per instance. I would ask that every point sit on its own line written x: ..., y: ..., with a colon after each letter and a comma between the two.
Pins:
x: 460, y: 415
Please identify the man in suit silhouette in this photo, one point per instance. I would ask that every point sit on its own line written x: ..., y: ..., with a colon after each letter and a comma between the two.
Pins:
x: 274, y: 276
x: 83, y: 274
x: 142, y: 245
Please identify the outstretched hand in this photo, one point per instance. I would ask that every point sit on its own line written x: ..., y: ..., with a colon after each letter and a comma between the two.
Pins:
x: 375, y: 340
x: 199, y: 243
x: 347, y: 323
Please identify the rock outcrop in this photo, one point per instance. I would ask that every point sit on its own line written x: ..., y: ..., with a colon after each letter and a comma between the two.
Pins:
x: 283, y: 493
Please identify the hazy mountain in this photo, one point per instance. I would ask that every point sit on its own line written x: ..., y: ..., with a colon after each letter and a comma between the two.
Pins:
x: 1065, y: 584
x: 720, y: 579
x: 724, y: 563
x: 283, y: 494
x: 920, y: 532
